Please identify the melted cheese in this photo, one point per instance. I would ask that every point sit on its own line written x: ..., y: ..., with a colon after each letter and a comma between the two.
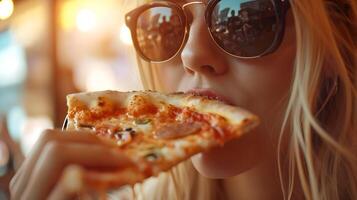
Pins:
x: 168, y: 153
x: 145, y: 128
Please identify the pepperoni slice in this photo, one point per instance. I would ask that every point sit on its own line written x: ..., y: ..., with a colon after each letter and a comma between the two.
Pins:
x: 177, y: 130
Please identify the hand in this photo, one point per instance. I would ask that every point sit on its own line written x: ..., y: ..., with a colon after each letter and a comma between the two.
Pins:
x: 58, y: 155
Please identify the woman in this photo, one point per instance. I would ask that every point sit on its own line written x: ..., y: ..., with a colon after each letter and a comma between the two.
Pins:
x: 297, y: 71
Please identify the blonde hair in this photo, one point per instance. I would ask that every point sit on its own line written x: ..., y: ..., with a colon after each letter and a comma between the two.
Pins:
x: 321, y: 114
x: 323, y: 120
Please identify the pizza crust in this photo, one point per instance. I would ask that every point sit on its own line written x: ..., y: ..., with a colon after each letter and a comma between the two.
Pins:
x: 140, y: 137
x: 235, y: 115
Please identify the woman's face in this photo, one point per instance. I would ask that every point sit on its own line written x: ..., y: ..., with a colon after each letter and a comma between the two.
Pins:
x: 260, y: 85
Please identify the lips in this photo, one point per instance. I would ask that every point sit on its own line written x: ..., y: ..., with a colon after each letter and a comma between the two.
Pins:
x: 209, y: 94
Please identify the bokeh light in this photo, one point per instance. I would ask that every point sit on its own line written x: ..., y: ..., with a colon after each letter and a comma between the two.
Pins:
x: 6, y: 9
x: 86, y: 20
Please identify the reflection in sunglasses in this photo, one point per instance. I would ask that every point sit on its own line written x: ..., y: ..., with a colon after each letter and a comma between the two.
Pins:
x: 160, y: 32
x: 245, y: 28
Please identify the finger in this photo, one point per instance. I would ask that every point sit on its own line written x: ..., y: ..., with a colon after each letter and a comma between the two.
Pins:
x: 78, y: 182
x: 47, y: 136
x: 57, y: 155
x: 103, y: 181
x: 21, y: 178
x: 70, y: 184
x: 15, y: 178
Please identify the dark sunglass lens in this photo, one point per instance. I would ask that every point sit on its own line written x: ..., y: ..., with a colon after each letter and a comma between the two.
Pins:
x: 160, y: 33
x: 244, y: 28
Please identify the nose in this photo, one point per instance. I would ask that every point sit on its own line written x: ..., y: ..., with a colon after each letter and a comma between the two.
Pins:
x: 200, y: 54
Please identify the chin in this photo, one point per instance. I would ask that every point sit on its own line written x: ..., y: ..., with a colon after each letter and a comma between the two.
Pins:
x: 232, y: 159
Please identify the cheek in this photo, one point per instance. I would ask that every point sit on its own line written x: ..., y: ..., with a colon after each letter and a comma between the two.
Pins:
x: 268, y: 79
x: 169, y: 76
x: 262, y: 87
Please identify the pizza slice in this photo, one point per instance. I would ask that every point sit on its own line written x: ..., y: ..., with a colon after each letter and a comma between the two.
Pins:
x: 155, y: 130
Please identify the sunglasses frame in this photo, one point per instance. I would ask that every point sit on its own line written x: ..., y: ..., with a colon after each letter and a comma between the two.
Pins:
x: 280, y: 6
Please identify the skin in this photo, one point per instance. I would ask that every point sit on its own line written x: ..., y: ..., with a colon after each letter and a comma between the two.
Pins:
x: 40, y: 175
x: 260, y: 85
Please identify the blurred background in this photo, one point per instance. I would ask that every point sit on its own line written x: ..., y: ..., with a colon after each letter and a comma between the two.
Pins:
x: 48, y: 49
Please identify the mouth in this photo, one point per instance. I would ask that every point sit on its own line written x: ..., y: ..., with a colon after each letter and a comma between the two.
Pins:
x: 210, y: 95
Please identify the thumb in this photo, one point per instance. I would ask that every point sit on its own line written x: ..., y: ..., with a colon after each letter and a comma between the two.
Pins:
x: 70, y: 185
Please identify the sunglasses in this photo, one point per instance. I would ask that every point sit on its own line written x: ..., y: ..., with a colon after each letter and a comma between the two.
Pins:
x: 241, y: 28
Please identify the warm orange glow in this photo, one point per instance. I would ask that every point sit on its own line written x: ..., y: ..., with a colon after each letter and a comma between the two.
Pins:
x: 6, y: 9
x: 83, y: 15
x: 68, y: 14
